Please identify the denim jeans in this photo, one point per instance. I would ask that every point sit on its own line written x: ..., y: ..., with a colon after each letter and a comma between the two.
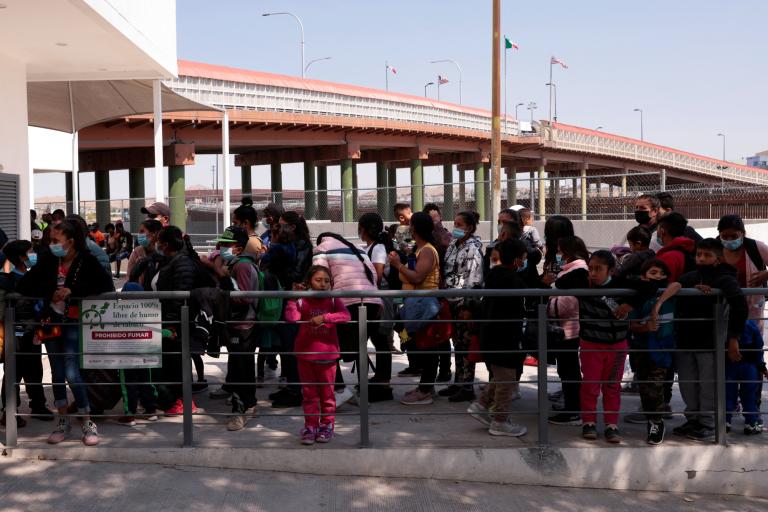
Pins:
x: 417, y: 312
x: 65, y: 368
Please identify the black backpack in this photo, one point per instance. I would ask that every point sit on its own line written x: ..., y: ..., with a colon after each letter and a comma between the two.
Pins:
x: 393, y: 276
x: 750, y: 245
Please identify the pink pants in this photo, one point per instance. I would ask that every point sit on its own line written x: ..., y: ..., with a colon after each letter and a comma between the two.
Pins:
x: 319, y: 401
x: 606, y: 366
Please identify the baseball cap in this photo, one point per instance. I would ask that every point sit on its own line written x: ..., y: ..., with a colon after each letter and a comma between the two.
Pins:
x: 234, y: 235
x: 157, y: 209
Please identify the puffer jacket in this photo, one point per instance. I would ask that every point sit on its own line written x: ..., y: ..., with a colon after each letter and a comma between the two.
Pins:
x: 464, y: 265
x: 178, y: 274
x: 303, y: 261
x: 347, y: 266
x: 574, y: 275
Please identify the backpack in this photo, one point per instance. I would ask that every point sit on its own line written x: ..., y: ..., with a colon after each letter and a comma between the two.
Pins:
x: 269, y: 309
x: 750, y: 245
x: 393, y: 276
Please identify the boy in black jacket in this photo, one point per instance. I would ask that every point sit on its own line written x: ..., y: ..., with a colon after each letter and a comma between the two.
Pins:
x: 696, y: 370
x: 495, y: 337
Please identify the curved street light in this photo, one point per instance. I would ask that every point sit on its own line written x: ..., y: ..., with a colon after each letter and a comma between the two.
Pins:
x: 532, y: 106
x: 457, y: 67
x: 306, y: 68
x: 554, y: 87
x: 516, y: 107
x: 301, y: 27
x: 641, y: 122
x: 425, y: 87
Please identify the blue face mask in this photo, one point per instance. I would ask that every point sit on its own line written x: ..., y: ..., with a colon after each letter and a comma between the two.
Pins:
x: 58, y: 251
x: 733, y: 245
x: 607, y: 281
x: 227, y: 254
x: 31, y: 259
x: 142, y: 240
x: 458, y: 233
x: 659, y: 241
x: 524, y: 267
x: 265, y: 223
x: 558, y: 259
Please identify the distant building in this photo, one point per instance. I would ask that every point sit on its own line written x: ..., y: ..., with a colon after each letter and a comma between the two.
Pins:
x: 759, y: 160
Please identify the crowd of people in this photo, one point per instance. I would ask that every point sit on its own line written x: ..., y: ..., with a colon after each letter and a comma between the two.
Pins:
x: 589, y: 337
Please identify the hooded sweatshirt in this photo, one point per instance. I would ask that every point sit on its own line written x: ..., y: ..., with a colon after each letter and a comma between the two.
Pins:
x: 574, y: 275
x: 674, y: 255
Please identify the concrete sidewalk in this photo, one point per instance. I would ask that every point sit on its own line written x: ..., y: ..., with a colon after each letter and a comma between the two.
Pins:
x: 32, y: 486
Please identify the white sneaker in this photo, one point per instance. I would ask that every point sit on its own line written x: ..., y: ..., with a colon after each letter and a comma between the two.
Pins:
x: 90, y: 434
x: 505, y: 428
x: 61, y: 432
x: 479, y: 413
x: 343, y: 396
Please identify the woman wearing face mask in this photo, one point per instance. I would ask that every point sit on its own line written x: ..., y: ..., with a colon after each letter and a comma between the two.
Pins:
x: 749, y: 257
x: 63, y: 276
x: 246, y: 217
x: 144, y: 269
x: 555, y: 228
x: 463, y: 270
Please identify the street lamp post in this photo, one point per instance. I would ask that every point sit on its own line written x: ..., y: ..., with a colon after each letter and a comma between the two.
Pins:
x: 532, y: 106
x: 642, y: 136
x: 425, y: 87
x: 301, y: 27
x: 517, y: 107
x: 457, y: 67
x: 554, y: 90
x: 598, y: 128
x: 306, y: 68
x: 723, y: 167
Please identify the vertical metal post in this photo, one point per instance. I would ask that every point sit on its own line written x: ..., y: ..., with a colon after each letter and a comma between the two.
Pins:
x: 663, y: 180
x: 157, y: 130
x: 362, y: 369
x: 542, y: 376
x: 720, y: 344
x: 10, y: 378
x: 584, y: 192
x: 186, y: 376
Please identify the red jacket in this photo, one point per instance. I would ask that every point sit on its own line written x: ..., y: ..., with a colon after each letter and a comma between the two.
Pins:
x: 321, y: 338
x: 673, y: 254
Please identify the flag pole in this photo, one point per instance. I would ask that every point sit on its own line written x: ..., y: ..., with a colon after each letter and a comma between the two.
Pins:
x: 386, y: 75
x: 505, y: 82
x: 495, y: 199
x: 551, y: 59
x: 439, y: 79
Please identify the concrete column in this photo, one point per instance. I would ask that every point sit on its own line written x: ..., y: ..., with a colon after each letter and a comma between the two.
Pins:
x: 310, y: 192
x: 136, y: 195
x: 177, y: 196
x: 542, y: 192
x: 663, y: 180
x: 574, y: 187
x: 462, y: 191
x: 532, y: 191
x: 480, y: 189
x: 382, y: 195
x: 276, y: 175
x: 322, y: 192
x: 417, y: 185
x: 68, y: 192
x: 347, y: 183
x: 103, y: 214
x: 555, y: 187
x: 391, y: 192
x: 245, y: 178
x: 584, y: 192
x: 355, y: 193
x: 511, y: 186
x: 448, y: 210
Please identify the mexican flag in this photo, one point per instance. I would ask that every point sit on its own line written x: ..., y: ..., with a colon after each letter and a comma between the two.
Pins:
x: 510, y: 44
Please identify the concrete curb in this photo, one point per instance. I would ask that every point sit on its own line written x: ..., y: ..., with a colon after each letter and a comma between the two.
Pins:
x: 695, y: 469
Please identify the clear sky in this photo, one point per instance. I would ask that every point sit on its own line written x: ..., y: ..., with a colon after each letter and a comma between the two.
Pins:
x: 696, y: 68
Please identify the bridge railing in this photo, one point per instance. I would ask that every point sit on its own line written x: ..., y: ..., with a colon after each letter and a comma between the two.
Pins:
x: 271, y: 98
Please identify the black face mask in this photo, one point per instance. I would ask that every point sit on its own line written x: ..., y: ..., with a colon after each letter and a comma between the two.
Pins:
x: 642, y: 217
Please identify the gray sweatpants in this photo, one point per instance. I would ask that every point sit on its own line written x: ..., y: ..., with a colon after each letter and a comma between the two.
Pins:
x: 699, y: 395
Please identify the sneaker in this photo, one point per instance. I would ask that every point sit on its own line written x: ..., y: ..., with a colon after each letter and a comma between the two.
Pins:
x: 655, y: 433
x: 636, y: 418
x: 506, y: 428
x: 589, y: 431
x: 235, y: 423
x: 612, y: 435
x: 409, y: 372
x: 417, y: 397
x: 753, y: 429
x: 702, y: 434
x: 564, y: 418
x: 515, y: 396
x: 42, y: 414
x: 685, y: 428
x: 464, y: 395
x: 343, y: 396
x: 380, y: 394
x: 151, y: 417
x: 126, y: 421
x: 199, y: 387
x: 61, y: 432
x: 308, y: 436
x: 444, y: 376
x: 90, y: 434
x: 531, y: 361
x: 178, y: 408
x: 280, y: 394
x: 324, y: 434
x: 449, y: 391
x: 219, y: 394
x: 479, y: 413
x: 555, y: 396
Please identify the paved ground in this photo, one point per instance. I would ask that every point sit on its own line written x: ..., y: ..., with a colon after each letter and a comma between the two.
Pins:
x: 32, y: 486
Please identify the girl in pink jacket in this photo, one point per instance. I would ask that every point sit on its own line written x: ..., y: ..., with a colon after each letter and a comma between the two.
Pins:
x: 317, y: 347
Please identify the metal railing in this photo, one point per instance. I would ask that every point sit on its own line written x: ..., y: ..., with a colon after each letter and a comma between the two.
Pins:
x: 540, y: 317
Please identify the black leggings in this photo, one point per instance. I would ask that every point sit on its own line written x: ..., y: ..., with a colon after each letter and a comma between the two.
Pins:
x: 569, y: 371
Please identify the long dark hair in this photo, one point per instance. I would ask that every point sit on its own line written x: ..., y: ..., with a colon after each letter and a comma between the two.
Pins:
x: 355, y: 250
x: 574, y: 248
x: 555, y: 228
x: 424, y: 227
x: 301, y: 230
x: 73, y: 231
x: 373, y: 226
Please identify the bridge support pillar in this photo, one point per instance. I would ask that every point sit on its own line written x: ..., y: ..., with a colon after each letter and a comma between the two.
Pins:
x: 448, y: 209
x: 310, y: 192
x: 382, y: 193
x: 322, y: 192
x: 511, y: 186
x: 391, y: 192
x: 68, y: 192
x: 480, y: 190
x: 246, y: 186
x: 177, y: 196
x: 584, y: 192
x: 276, y: 175
x: 663, y: 180
x: 136, y: 194
x: 355, y: 193
x: 462, y: 190
x: 542, y: 191
x: 347, y: 183
x: 555, y: 191
x: 103, y: 211
x: 417, y: 185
